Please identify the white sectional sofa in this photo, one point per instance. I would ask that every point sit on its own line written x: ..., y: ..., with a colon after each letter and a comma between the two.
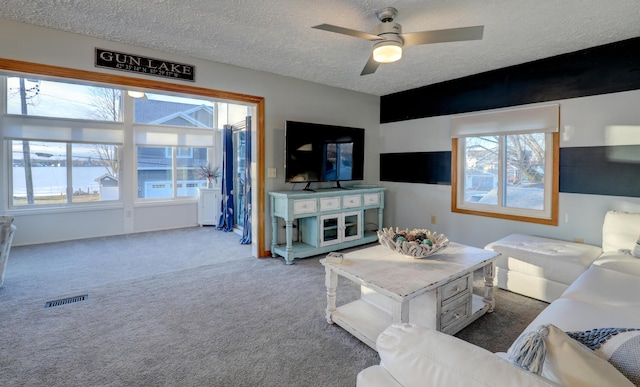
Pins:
x: 605, y: 295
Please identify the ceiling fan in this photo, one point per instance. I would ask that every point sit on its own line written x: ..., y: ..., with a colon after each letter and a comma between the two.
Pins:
x: 389, y: 39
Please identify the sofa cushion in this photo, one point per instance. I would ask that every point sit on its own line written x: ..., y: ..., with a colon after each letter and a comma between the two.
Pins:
x: 417, y: 356
x: 553, y: 259
x: 602, y: 286
x: 620, y: 230
x: 566, y: 361
x: 621, y: 262
x: 580, y: 315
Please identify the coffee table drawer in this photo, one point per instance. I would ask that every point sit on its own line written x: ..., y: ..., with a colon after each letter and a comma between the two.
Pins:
x: 454, y: 288
x: 457, y: 310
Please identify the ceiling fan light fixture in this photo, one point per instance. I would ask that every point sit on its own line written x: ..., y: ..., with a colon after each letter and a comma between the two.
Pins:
x: 135, y: 94
x: 387, y: 52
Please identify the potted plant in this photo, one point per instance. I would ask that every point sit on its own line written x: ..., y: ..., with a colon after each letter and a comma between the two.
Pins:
x: 210, y: 174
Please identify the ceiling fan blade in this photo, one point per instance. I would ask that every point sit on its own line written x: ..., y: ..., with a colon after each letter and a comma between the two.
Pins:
x: 347, y: 31
x: 440, y: 36
x: 370, y: 67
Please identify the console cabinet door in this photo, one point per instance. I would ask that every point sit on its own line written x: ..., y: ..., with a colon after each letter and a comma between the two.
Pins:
x: 351, y: 229
x: 330, y: 229
x: 338, y: 228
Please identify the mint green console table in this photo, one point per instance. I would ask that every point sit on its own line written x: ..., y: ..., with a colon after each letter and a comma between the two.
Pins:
x: 326, y: 220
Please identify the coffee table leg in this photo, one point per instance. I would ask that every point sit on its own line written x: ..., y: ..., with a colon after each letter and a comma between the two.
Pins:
x: 331, y: 282
x: 489, y: 273
x: 400, y: 312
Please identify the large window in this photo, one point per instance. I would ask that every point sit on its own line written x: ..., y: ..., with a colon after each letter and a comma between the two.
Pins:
x: 174, y: 138
x: 34, y: 126
x: 505, y: 164
x: 64, y: 142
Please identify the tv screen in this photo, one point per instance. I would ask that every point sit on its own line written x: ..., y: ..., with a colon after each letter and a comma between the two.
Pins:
x: 317, y: 152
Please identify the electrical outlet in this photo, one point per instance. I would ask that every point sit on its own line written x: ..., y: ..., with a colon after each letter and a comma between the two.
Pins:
x: 271, y: 172
x: 433, y: 219
x: 578, y: 240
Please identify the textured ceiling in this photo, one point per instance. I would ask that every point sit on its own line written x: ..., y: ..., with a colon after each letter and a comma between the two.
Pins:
x: 276, y: 35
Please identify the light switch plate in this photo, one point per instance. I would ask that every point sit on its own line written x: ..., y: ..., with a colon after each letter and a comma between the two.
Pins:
x: 271, y: 172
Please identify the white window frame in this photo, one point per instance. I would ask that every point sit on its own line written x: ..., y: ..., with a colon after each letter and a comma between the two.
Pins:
x: 501, y: 123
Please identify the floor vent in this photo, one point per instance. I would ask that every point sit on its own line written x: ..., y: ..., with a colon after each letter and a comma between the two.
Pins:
x: 64, y: 301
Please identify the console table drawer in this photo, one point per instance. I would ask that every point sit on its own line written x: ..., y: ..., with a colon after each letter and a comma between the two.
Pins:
x: 457, y: 310
x: 351, y: 201
x: 304, y: 206
x: 371, y: 199
x: 328, y: 204
x: 454, y: 288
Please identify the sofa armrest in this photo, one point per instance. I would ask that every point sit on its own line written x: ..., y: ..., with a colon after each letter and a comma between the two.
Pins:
x: 376, y: 376
x: 415, y: 356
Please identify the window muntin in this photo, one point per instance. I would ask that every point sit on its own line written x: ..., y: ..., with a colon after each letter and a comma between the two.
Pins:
x: 509, y: 169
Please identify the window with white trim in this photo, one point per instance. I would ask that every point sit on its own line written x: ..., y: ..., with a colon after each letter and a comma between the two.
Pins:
x: 505, y: 164
x: 64, y: 142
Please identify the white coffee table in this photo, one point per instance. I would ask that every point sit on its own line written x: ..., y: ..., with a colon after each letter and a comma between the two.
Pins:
x: 434, y: 292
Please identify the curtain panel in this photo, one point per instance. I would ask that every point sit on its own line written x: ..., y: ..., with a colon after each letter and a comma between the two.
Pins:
x: 227, y: 219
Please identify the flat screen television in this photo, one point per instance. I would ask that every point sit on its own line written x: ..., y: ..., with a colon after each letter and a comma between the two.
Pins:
x: 321, y: 153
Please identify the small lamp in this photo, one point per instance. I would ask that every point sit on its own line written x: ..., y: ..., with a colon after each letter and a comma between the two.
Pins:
x: 387, y: 51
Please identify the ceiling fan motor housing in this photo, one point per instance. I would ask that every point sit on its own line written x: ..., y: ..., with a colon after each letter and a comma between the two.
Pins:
x: 389, y: 31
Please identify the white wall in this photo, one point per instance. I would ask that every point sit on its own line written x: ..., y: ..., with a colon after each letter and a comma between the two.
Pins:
x: 285, y: 99
x: 581, y: 216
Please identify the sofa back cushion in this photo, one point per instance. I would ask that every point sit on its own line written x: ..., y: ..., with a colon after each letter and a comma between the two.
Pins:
x: 620, y: 231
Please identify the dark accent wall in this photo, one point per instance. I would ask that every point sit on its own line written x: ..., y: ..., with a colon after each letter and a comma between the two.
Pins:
x: 597, y: 170
x: 416, y: 167
x: 604, y: 69
x: 601, y: 170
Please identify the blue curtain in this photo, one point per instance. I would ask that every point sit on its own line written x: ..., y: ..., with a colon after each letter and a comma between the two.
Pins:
x: 226, y: 205
x: 246, y: 231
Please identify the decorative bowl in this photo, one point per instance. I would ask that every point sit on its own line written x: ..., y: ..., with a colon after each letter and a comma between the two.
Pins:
x: 417, y: 243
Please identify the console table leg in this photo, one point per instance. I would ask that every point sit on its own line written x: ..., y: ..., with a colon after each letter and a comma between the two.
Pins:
x: 331, y: 282
x: 489, y: 273
x: 289, y: 239
x: 274, y: 234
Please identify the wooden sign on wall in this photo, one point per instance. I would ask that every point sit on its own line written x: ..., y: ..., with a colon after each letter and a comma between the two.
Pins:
x: 143, y: 65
